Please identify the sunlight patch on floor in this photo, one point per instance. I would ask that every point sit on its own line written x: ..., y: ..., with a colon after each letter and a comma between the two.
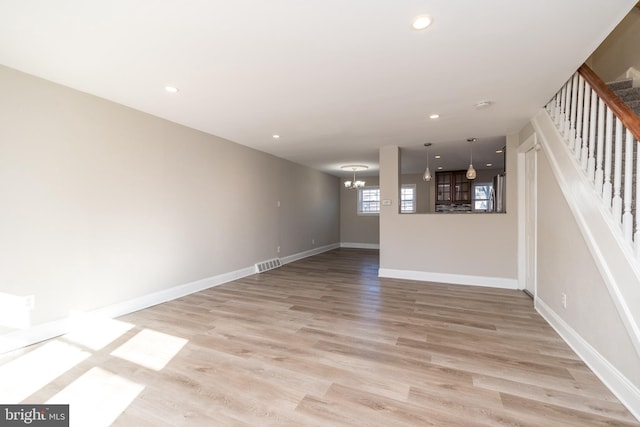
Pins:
x: 27, y: 374
x: 15, y: 311
x: 150, y: 349
x: 97, y: 398
x: 93, y: 331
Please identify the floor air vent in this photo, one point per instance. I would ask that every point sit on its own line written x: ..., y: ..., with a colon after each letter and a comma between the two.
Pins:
x: 268, y: 265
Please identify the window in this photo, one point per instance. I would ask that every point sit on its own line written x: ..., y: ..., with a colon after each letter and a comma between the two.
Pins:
x: 408, y: 198
x: 369, y: 201
x: 481, y: 196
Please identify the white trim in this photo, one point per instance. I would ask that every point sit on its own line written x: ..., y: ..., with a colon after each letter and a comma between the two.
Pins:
x: 17, y: 339
x: 456, y: 279
x: 359, y: 211
x: 619, y: 385
x: 474, y: 184
x: 531, y: 143
x: 360, y: 245
x: 527, y: 145
x: 633, y: 74
x: 311, y: 252
x: 22, y: 338
x: 613, y: 257
x: 159, y: 297
x: 413, y: 187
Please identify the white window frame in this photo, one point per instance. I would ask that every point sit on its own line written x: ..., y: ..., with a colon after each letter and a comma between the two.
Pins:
x: 361, y: 203
x: 473, y: 196
x: 411, y: 187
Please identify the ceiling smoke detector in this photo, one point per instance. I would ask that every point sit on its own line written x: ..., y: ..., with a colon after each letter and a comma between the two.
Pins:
x: 483, y: 104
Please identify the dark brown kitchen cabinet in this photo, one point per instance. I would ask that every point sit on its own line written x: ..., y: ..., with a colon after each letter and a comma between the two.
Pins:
x: 452, y: 187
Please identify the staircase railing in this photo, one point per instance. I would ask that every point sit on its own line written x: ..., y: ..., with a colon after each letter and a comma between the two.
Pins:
x: 603, y: 134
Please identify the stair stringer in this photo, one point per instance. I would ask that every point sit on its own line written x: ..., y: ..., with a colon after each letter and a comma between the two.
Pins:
x: 613, y: 257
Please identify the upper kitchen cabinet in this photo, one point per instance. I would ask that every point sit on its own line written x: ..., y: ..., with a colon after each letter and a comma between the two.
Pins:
x: 453, y: 191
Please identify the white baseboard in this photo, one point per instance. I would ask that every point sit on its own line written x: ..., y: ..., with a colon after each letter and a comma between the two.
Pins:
x: 360, y: 245
x: 619, y: 385
x: 612, y: 255
x: 35, y: 334
x: 315, y: 251
x: 22, y: 338
x: 456, y: 279
x: 159, y: 297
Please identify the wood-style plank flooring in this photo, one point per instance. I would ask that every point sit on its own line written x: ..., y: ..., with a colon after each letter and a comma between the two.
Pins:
x: 325, y: 342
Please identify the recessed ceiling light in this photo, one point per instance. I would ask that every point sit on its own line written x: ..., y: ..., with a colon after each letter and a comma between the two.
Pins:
x: 171, y: 89
x: 438, y: 156
x: 434, y: 116
x: 489, y: 164
x: 276, y: 136
x: 440, y: 168
x: 421, y: 22
x: 498, y: 151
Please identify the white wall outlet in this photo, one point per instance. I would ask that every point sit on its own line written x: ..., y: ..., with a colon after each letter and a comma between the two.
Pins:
x: 386, y: 202
x: 278, y: 249
x: 313, y: 241
x: 564, y: 300
x: 278, y: 203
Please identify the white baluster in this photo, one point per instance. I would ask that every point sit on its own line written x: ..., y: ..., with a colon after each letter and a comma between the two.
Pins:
x: 556, y: 113
x: 589, y: 160
x: 599, y: 177
x: 627, y: 217
x: 617, y: 174
x: 560, y: 117
x: 573, y: 103
x: 608, y: 153
x: 563, y: 100
x: 578, y: 141
x: 567, y: 114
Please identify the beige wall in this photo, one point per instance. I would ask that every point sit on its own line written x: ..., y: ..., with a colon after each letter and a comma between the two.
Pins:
x: 619, y: 50
x: 354, y: 228
x: 102, y: 203
x: 475, y: 245
x: 564, y: 264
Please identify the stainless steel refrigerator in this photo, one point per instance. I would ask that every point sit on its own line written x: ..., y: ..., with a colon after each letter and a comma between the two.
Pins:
x: 497, y: 203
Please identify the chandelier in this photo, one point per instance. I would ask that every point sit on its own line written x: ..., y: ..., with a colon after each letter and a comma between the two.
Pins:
x: 350, y: 185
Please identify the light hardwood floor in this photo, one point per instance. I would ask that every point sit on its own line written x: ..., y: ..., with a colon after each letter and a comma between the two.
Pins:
x: 325, y: 342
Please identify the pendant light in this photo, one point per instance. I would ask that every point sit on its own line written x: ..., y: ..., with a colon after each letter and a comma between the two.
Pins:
x: 471, y: 172
x: 427, y: 173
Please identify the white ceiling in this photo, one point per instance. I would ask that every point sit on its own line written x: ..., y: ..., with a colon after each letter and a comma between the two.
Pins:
x: 336, y: 79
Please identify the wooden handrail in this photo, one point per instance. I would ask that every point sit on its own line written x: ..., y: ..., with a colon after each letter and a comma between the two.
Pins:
x: 626, y: 115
